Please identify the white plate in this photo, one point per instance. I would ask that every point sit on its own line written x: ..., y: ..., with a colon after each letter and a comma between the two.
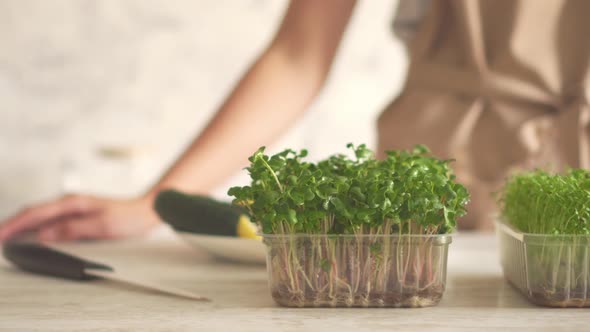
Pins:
x: 234, y: 249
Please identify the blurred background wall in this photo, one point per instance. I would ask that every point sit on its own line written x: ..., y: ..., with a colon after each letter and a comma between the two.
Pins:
x: 101, y: 96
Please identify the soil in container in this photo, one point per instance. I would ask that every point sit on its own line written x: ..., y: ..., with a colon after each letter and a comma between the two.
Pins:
x: 555, y: 299
x: 366, y: 272
x: 411, y: 299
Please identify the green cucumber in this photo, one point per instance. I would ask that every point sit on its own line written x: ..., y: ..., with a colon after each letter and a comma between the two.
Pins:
x: 198, y: 214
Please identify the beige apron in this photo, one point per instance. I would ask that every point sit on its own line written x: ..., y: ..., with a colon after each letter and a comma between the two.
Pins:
x: 498, y: 85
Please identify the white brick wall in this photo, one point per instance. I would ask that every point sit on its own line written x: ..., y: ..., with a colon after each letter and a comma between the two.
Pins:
x: 76, y: 76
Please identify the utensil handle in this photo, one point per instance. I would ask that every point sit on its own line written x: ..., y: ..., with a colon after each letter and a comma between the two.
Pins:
x: 41, y: 259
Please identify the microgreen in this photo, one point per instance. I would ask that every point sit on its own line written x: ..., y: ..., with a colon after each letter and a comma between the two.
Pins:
x: 407, y: 192
x: 539, y: 202
x: 544, y: 203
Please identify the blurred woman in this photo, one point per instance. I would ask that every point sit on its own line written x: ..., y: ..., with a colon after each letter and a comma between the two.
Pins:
x: 498, y: 85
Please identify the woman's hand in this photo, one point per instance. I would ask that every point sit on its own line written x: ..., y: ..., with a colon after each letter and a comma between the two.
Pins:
x: 287, y: 76
x: 76, y: 217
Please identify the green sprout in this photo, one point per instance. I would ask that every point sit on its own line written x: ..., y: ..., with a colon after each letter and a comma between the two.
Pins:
x: 407, y: 191
x: 344, y: 225
x: 556, y: 208
x: 542, y: 203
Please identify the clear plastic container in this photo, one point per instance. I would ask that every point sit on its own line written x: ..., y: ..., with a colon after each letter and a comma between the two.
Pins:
x: 357, y: 270
x: 551, y: 270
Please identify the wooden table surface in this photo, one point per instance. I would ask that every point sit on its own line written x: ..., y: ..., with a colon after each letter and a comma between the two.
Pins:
x: 477, y: 297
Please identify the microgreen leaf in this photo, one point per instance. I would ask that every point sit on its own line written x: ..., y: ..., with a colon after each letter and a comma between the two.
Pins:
x: 406, y: 192
x: 544, y: 203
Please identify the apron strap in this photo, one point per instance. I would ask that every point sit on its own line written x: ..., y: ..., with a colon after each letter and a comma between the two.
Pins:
x: 475, y: 78
x: 472, y: 24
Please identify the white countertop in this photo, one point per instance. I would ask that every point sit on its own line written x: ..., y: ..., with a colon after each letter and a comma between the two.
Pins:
x: 477, y: 297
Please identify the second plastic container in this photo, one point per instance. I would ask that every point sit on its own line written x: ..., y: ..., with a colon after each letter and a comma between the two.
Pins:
x: 551, y: 270
x: 357, y: 270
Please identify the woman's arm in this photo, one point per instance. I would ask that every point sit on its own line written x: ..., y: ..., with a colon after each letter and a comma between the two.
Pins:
x: 267, y: 100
